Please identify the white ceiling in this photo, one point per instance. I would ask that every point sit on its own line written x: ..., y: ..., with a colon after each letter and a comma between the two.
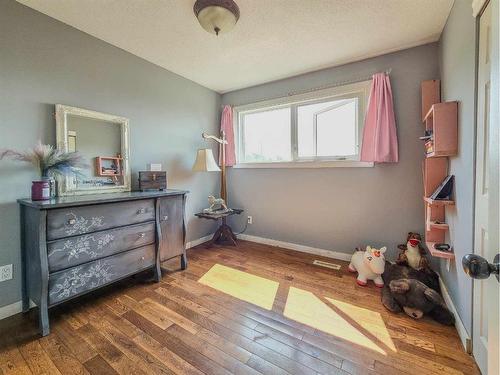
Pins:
x: 273, y: 39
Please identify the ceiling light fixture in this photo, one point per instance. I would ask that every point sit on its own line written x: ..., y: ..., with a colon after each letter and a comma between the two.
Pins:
x: 216, y: 16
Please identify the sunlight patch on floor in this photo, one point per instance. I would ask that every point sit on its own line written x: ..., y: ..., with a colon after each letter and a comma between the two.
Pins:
x: 306, y: 308
x: 370, y: 321
x: 242, y: 285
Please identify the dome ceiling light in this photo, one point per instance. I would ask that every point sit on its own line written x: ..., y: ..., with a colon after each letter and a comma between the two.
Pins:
x: 216, y: 16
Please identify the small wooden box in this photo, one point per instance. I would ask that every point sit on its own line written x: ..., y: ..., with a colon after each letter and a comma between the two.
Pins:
x: 151, y: 180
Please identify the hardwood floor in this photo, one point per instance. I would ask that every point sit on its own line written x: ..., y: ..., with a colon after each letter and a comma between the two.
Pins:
x: 180, y: 326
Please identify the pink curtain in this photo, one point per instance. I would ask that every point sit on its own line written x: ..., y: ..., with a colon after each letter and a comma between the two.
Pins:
x: 226, y: 125
x: 380, y: 140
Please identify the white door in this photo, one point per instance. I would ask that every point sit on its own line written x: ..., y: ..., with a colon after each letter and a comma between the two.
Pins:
x: 493, y: 253
x: 486, y: 238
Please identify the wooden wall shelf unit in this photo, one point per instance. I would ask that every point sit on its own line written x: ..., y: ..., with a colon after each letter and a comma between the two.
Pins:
x: 438, y: 253
x: 440, y: 120
x: 439, y: 202
x: 437, y: 225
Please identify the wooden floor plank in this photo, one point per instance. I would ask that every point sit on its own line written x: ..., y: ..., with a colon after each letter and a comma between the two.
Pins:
x: 79, y: 347
x: 171, y: 315
x: 181, y: 326
x: 195, y: 358
x: 218, y: 356
x: 12, y: 362
x: 61, y: 356
x: 306, y: 357
x: 165, y: 355
x: 261, y: 345
x: 110, y: 353
x: 146, y: 362
x: 38, y: 361
x: 317, y: 352
x: 160, y: 320
x: 98, y: 366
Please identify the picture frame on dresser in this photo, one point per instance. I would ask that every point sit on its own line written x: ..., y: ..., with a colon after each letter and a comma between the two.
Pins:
x: 75, y: 245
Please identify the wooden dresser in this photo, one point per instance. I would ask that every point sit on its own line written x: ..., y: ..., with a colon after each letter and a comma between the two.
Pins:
x: 74, y: 245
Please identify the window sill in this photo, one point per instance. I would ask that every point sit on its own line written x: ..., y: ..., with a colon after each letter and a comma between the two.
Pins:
x: 307, y: 164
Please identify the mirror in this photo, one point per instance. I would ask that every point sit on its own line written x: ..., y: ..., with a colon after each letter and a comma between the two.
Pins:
x: 103, y: 142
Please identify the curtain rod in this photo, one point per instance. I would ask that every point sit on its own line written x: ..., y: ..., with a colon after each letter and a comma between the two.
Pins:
x: 323, y: 87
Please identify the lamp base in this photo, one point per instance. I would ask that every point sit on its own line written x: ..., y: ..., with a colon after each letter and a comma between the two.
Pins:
x: 224, y: 236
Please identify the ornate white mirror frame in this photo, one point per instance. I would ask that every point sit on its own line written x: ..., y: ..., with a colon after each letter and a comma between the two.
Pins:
x: 67, y: 186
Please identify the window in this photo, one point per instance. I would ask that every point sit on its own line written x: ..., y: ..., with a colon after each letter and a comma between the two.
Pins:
x: 267, y: 136
x: 320, y: 126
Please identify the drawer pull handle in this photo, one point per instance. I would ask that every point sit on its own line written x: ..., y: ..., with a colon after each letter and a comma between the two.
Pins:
x: 141, y: 211
x: 71, y: 221
x: 165, y: 218
x: 142, y: 258
x: 142, y: 235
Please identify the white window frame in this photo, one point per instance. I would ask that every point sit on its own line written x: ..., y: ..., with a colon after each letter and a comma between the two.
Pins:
x: 359, y: 90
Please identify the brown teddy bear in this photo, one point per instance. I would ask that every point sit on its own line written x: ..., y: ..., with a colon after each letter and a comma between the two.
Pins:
x: 414, y: 292
x: 413, y: 254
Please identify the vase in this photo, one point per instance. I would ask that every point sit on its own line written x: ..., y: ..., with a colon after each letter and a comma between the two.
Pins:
x: 40, y: 190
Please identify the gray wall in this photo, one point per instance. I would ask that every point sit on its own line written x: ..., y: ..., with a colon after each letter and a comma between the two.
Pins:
x: 457, y: 63
x: 43, y: 62
x: 340, y: 208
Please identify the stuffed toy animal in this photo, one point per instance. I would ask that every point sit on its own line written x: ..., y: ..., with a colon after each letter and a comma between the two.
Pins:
x: 415, y: 292
x: 413, y: 254
x: 369, y: 265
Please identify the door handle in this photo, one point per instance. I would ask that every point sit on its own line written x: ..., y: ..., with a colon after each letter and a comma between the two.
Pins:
x: 478, y: 268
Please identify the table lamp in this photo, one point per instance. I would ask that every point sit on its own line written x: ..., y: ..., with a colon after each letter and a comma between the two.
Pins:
x: 205, y: 161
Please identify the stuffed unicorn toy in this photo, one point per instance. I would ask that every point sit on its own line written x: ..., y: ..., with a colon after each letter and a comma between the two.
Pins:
x: 369, y: 265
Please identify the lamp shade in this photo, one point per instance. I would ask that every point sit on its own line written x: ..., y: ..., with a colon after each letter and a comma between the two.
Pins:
x: 205, y: 161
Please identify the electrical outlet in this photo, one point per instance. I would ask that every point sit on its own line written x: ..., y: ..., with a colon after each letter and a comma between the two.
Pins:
x: 249, y: 219
x: 6, y: 272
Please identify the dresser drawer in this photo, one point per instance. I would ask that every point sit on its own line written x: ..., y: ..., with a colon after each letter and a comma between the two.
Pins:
x: 73, y: 221
x: 86, y: 277
x: 69, y: 252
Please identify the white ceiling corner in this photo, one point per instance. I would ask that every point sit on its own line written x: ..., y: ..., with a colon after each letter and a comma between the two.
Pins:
x: 273, y: 39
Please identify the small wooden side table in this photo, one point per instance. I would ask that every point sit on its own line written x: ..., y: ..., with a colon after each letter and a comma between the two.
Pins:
x: 223, y: 234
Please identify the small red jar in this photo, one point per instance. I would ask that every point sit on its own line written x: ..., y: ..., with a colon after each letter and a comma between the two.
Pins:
x: 40, y: 190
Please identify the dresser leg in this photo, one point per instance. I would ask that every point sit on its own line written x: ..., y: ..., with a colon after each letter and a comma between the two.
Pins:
x: 157, y: 272
x: 24, y: 290
x: 24, y: 264
x: 184, y: 262
x: 43, y: 315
